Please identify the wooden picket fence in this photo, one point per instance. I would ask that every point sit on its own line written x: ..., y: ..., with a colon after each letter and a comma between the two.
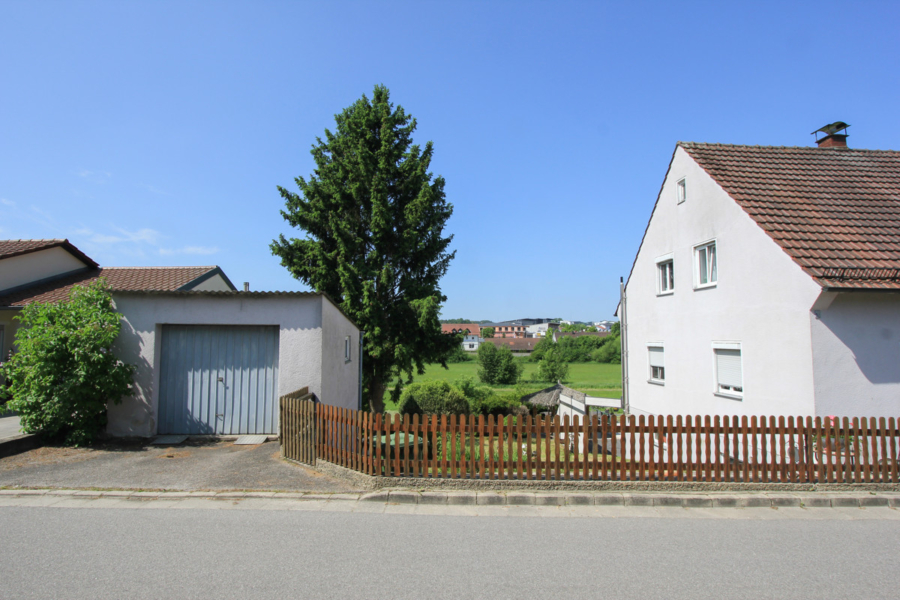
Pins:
x: 617, y: 448
x: 297, y: 425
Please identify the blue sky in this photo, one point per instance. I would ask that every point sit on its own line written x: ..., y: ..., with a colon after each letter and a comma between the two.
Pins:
x: 156, y: 133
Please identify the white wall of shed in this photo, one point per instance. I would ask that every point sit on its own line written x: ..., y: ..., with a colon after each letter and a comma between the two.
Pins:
x: 762, y: 300
x: 340, y: 378
x: 34, y: 266
x: 856, y: 356
x: 299, y: 320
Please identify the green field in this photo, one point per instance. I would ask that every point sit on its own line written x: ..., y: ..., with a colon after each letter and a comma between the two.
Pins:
x: 595, y: 379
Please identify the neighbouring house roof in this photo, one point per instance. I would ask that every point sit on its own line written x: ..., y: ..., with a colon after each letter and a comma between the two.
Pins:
x: 514, y: 344
x: 835, y: 211
x: 473, y: 328
x: 10, y: 248
x: 139, y: 279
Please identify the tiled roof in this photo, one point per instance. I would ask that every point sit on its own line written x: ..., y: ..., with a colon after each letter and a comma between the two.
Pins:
x: 473, y: 328
x: 10, y: 248
x: 515, y: 344
x: 835, y: 211
x: 135, y: 279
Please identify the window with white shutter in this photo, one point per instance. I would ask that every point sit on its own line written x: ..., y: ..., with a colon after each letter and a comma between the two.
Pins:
x: 657, y: 364
x: 729, y: 372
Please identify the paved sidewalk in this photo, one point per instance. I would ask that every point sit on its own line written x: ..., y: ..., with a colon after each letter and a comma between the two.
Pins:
x: 463, y: 503
x: 192, y: 466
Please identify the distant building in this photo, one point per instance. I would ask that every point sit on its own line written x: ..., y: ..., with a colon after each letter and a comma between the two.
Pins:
x: 517, y: 328
x: 472, y: 333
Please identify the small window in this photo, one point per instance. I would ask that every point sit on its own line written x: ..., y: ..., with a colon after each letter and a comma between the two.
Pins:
x: 706, y: 265
x: 666, y: 276
x: 681, y: 191
x: 729, y: 372
x: 657, y: 364
x: 347, y: 349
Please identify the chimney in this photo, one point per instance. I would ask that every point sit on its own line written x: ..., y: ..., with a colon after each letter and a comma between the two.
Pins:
x: 246, y: 286
x: 832, y: 138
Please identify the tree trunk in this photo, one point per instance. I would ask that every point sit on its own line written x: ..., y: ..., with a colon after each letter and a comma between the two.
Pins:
x: 376, y: 398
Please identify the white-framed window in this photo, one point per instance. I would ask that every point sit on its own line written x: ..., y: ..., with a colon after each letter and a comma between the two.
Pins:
x: 656, y: 353
x: 348, y: 349
x: 729, y: 372
x: 706, y: 265
x: 681, y: 190
x: 665, y: 274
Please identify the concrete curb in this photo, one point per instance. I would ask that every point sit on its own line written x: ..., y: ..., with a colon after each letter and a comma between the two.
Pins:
x: 517, y: 498
x: 19, y: 444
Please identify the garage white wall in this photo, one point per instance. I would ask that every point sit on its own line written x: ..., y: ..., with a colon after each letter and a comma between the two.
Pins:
x: 299, y: 319
x: 340, y: 377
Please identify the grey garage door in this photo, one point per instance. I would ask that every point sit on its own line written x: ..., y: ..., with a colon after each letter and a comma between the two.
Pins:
x: 218, y: 380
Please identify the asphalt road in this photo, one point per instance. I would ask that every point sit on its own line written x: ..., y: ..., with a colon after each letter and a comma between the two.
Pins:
x: 166, y: 553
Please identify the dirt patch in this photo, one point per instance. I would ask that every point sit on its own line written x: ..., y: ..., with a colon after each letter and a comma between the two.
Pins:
x: 170, y: 453
x: 48, y: 455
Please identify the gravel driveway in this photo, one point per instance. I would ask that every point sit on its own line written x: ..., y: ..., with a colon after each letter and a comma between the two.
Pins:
x: 192, y: 466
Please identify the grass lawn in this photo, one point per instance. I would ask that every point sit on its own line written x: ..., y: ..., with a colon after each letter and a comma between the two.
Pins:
x: 594, y: 379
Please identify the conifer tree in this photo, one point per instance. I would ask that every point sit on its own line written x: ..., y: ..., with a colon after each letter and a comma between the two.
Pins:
x: 373, y: 218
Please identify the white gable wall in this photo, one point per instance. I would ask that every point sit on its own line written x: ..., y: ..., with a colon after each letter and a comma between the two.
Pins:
x: 214, y: 284
x: 35, y: 266
x: 762, y: 300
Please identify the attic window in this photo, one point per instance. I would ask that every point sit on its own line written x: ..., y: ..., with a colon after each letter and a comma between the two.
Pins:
x: 348, y: 350
x: 681, y: 190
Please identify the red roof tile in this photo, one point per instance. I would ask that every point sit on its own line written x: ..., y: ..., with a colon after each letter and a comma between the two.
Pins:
x: 474, y: 328
x: 835, y: 211
x: 10, y: 248
x: 134, y: 279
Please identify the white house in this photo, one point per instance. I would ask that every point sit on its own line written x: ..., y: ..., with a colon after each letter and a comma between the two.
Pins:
x: 471, y: 334
x: 210, y: 359
x: 768, y: 283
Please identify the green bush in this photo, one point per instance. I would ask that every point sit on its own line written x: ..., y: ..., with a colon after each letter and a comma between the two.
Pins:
x: 553, y: 368
x: 64, y: 374
x: 545, y: 344
x: 610, y: 352
x: 471, y: 390
x: 432, y: 398
x: 498, y: 365
x: 458, y: 355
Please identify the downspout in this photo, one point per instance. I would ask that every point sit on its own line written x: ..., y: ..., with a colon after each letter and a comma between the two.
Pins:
x: 626, y: 404
x: 362, y: 335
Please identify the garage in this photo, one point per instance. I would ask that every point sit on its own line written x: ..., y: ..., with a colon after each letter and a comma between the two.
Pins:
x: 218, y: 379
